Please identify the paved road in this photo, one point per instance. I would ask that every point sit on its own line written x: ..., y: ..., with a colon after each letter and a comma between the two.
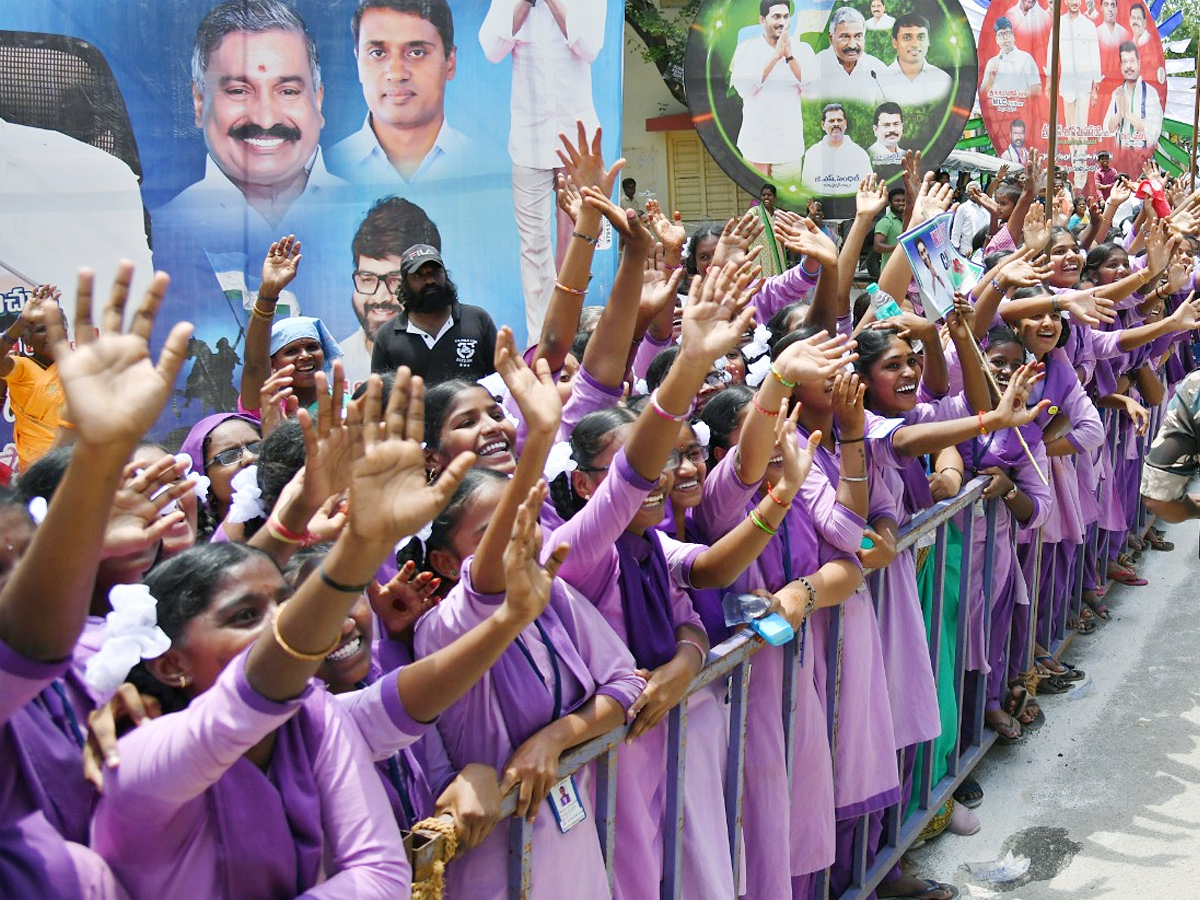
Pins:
x: 1105, y: 798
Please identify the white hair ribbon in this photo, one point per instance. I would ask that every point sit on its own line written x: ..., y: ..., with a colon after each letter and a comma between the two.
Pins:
x: 245, y: 503
x: 37, y: 509
x: 559, y: 460
x: 132, y: 634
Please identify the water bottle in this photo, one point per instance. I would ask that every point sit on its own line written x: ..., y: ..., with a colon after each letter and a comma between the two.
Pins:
x: 882, y: 302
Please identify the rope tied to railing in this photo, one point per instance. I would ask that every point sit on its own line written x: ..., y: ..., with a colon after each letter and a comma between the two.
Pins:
x: 433, y: 885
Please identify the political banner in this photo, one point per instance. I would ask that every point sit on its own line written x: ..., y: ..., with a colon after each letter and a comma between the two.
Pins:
x: 189, y: 135
x: 1112, y: 86
x: 812, y: 96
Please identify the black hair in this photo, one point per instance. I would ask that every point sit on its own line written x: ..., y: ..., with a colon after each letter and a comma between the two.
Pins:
x: 894, y: 191
x: 282, y: 456
x: 391, y: 226
x: 438, y: 401
x: 656, y: 372
x: 579, y: 345
x: 721, y: 416
x: 873, y: 343
x: 909, y: 20
x: 184, y: 587
x: 689, y: 250
x: 767, y: 186
x: 788, y: 339
x: 435, y: 12
x: 42, y: 478
x: 1034, y: 291
x: 589, y: 439
x: 1097, y: 257
x: 777, y: 324
x: 887, y: 108
x: 304, y: 561
x: 1001, y: 334
x: 446, y: 523
x: 995, y: 258
x: 764, y: 6
x: 389, y: 381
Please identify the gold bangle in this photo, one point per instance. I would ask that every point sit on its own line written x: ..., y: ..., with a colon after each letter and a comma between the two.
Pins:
x: 297, y: 654
x: 259, y: 313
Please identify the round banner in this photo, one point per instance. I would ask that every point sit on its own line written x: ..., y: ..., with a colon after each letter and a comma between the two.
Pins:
x: 812, y: 96
x: 1112, y: 85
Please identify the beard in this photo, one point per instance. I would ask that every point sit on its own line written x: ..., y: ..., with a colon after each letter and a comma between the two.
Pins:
x: 433, y: 298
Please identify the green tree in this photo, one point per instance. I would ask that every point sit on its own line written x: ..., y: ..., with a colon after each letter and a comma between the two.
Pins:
x: 664, y: 38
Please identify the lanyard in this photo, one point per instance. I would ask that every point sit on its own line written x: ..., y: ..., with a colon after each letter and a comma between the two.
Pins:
x: 67, y: 722
x: 553, y: 662
x: 396, y: 777
x: 787, y: 573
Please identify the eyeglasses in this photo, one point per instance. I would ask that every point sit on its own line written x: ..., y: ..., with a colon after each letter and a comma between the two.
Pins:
x: 233, y: 455
x: 368, y: 282
x: 717, y: 376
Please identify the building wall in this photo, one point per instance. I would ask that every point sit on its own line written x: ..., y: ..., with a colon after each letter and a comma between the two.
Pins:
x: 646, y: 97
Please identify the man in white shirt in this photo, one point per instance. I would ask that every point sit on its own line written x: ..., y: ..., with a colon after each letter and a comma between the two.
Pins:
x: 391, y: 227
x: 1110, y: 31
x: 1015, y: 151
x: 1134, y: 113
x: 910, y: 78
x: 1137, y: 24
x: 553, y: 44
x: 767, y: 72
x: 1031, y: 25
x: 845, y: 70
x: 405, y: 54
x: 257, y: 94
x: 889, y: 129
x: 969, y: 218
x: 880, y: 20
x: 835, y: 165
x: 1079, y: 76
x: 1011, y: 76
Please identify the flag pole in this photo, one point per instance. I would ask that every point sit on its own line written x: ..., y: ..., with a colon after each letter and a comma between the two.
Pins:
x: 1051, y: 163
x: 1195, y: 116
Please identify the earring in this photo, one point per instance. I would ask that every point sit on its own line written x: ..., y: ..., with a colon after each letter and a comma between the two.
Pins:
x: 454, y: 573
x: 183, y: 681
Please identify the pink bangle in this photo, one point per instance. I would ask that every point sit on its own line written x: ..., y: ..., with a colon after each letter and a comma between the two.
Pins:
x: 662, y: 413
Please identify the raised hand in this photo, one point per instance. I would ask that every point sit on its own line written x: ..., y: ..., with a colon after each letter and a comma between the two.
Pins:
x: 849, y: 410
x: 718, y: 311
x: 871, y: 197
x: 1011, y: 412
x: 1086, y: 308
x: 1121, y: 191
x: 389, y: 493
x: 276, y: 401
x: 659, y: 290
x: 404, y: 599
x: 669, y: 233
x: 801, y: 235
x: 1179, y: 272
x: 816, y: 358
x: 567, y: 196
x: 911, y: 168
x: 114, y: 390
x: 797, y: 460
x: 584, y: 161
x: 638, y: 239
x: 1035, y: 229
x: 533, y: 389
x: 983, y: 199
x: 1160, y: 246
x: 1187, y: 315
x: 1019, y: 270
x: 279, y: 266
x: 528, y: 582
x: 960, y: 321
x: 736, y: 237
x: 137, y: 521
x: 932, y: 199
x: 329, y: 447
x: 909, y: 325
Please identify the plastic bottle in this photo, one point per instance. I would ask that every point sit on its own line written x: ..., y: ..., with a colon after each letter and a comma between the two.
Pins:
x: 882, y: 302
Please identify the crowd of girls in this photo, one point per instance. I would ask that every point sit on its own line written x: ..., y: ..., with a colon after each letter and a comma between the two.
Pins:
x: 243, y: 670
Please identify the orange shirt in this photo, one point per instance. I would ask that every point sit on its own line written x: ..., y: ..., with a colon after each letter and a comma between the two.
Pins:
x: 37, y: 401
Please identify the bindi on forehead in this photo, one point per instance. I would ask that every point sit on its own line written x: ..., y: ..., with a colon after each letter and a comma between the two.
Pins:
x: 261, y: 67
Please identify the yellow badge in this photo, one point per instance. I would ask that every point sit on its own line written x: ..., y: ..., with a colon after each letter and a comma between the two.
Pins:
x: 1053, y: 410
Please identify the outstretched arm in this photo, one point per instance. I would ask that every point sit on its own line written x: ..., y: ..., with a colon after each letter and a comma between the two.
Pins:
x: 279, y: 268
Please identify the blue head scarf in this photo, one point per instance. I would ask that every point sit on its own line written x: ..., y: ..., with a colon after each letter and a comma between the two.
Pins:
x: 284, y: 331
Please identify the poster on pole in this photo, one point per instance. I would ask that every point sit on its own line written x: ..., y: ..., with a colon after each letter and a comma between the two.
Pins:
x: 1112, y: 86
x: 812, y: 95
x: 188, y: 135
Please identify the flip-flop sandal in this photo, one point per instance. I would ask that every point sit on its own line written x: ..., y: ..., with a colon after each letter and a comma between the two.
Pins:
x: 1014, y: 703
x: 1135, y: 543
x: 1072, y: 673
x: 1035, y: 722
x: 931, y: 888
x: 1068, y: 672
x: 969, y: 794
x: 1157, y: 542
x: 1052, y: 684
x: 1126, y: 576
x: 1007, y: 732
x: 1099, y: 608
x: 1082, y: 626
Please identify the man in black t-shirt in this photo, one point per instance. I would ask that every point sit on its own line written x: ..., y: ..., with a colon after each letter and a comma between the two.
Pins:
x: 434, y: 335
x: 1174, y: 457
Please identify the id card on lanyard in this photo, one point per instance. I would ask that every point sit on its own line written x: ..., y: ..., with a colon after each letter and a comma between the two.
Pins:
x: 564, y: 796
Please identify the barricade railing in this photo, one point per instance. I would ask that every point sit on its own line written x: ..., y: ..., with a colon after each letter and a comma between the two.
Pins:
x: 731, y: 660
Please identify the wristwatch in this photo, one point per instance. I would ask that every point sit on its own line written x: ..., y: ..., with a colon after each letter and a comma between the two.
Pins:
x: 1013, y: 493
x: 788, y: 59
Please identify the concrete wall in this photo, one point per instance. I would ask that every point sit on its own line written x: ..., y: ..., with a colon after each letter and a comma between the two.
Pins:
x: 646, y: 97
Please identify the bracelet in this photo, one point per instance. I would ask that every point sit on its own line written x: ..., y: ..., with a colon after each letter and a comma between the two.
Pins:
x: 760, y: 524
x: 282, y: 533
x: 787, y: 384
x: 690, y: 643
x: 996, y: 286
x: 812, y: 595
x: 857, y: 440
x: 662, y: 413
x: 853, y: 477
x: 774, y: 499
x: 583, y: 237
x: 962, y: 476
x: 762, y: 409
x: 1054, y: 306
x: 982, y: 428
x: 788, y: 59
x: 300, y: 655
x: 671, y: 268
x: 258, y: 312
x: 338, y: 586
x: 570, y: 290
